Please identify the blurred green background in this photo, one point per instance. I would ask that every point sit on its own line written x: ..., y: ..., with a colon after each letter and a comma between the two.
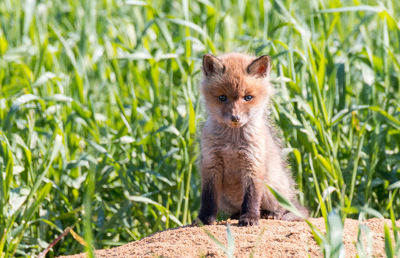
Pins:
x: 100, y: 110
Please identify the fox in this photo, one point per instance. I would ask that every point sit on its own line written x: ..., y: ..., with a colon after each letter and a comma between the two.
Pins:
x: 240, y: 152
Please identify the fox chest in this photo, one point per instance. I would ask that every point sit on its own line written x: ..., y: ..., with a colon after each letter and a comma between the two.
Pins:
x: 231, y: 161
x: 237, y: 162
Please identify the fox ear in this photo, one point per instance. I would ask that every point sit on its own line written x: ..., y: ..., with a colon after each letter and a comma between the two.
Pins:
x: 260, y: 67
x: 212, y: 65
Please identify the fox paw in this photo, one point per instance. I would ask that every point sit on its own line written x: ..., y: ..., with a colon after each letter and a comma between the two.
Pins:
x: 248, y: 220
x: 209, y: 220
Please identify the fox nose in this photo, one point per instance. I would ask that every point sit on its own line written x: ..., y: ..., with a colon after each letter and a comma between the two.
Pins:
x: 235, y: 118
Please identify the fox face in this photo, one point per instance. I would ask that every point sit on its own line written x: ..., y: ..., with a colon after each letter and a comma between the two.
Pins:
x: 235, y: 87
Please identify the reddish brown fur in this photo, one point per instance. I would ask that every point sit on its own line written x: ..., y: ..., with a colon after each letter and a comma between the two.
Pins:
x: 240, y: 157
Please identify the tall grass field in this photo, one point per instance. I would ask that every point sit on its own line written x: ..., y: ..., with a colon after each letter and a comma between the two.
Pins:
x: 100, y: 113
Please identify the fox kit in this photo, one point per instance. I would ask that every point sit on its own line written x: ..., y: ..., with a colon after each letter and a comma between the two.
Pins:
x: 239, y: 153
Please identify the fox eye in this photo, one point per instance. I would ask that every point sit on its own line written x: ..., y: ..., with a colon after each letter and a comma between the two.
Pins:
x: 248, y: 97
x: 222, y: 98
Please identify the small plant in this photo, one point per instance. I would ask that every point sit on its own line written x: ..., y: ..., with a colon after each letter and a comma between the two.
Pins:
x: 230, y: 248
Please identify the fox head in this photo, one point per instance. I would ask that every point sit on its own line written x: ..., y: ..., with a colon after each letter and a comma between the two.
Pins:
x: 235, y: 87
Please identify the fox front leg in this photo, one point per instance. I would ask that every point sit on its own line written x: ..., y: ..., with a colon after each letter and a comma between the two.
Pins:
x: 209, y: 203
x: 210, y: 191
x: 250, y: 210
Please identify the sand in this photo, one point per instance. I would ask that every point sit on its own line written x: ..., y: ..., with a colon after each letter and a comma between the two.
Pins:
x: 278, y: 239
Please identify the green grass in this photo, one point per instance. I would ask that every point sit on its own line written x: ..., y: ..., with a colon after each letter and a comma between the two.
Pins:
x: 100, y: 112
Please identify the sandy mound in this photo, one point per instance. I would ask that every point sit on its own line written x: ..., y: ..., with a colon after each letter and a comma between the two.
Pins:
x: 280, y: 239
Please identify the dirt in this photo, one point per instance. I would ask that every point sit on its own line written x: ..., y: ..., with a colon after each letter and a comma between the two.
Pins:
x: 276, y: 239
